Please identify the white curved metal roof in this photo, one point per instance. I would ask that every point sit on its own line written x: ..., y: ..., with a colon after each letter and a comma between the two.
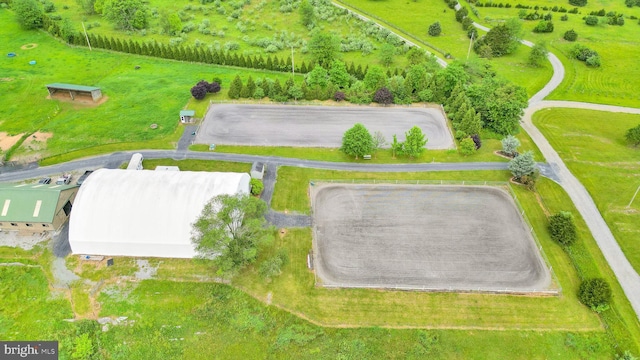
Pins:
x: 144, y: 213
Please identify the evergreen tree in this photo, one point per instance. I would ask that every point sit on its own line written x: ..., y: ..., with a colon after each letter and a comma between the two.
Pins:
x: 269, y: 64
x: 470, y: 124
x: 414, y: 142
x: 235, y: 89
x: 303, y: 68
x: 359, y: 74
x: 249, y: 89
x: 266, y: 88
x: 250, y: 62
x: 277, y: 89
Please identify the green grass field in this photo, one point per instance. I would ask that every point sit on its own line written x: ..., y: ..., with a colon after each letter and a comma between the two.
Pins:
x: 603, y: 162
x: 136, y: 98
x: 617, y: 80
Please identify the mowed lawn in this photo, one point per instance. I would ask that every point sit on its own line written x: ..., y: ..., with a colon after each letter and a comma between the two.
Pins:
x: 617, y: 81
x: 592, y: 145
x: 153, y: 94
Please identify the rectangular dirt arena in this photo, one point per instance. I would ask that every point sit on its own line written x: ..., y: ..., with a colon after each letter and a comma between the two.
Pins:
x: 316, y: 126
x: 431, y: 237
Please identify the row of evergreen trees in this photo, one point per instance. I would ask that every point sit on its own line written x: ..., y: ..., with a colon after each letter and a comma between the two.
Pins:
x: 202, y: 54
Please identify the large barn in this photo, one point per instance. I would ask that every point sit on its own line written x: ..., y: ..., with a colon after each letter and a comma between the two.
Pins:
x: 144, y: 213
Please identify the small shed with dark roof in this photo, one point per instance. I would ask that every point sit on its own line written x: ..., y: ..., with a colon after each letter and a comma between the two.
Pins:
x: 74, y: 90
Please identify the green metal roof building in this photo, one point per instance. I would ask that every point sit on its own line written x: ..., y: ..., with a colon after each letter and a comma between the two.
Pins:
x: 73, y: 90
x: 35, y: 207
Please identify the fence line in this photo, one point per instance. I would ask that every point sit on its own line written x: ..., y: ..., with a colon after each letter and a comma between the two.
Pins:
x: 506, y: 291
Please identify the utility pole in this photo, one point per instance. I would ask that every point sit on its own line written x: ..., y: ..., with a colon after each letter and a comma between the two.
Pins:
x: 86, y: 36
x: 470, y: 42
x: 293, y: 68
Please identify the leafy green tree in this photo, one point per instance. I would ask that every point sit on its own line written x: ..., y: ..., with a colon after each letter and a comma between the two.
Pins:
x: 338, y: 74
x: 467, y: 146
x: 416, y: 56
x: 562, y: 229
x: 126, y: 14
x: 505, y: 108
x: 522, y: 165
x: 256, y: 186
x: 387, y: 52
x: 435, y: 29
x: 538, y: 54
x: 230, y: 230
x: 235, y: 89
x: 324, y: 48
x: 317, y: 77
x: 633, y: 135
x: 358, y: 94
x: 29, y: 13
x: 296, y: 92
x: 87, y: 6
x: 170, y: 23
x: 357, y: 141
x: 501, y: 39
x: 374, y: 79
x: 471, y: 123
x: 396, y: 147
x: 510, y: 145
x: 594, y: 293
x: 414, y: 142
x: 416, y: 80
x: 307, y: 15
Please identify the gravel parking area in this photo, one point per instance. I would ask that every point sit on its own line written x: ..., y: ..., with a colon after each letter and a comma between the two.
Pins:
x: 316, y: 126
x: 432, y: 237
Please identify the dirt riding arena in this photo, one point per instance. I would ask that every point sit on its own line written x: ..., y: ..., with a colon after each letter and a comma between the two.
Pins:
x: 429, y: 237
x: 316, y: 126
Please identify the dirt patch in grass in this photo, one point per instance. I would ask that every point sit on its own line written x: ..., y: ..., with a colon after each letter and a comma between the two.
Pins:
x: 79, y: 101
x: 7, y: 141
x: 29, y: 46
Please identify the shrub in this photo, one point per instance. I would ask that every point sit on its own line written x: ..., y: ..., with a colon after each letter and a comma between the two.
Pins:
x: 578, y: 2
x: 564, y: 17
x: 273, y: 266
x: 593, y: 61
x: 199, y: 92
x: 594, y: 293
x: 562, y: 229
x: 467, y: 147
x: 633, y: 136
x: 570, y: 35
x: 476, y: 141
x: 543, y: 27
x: 435, y: 29
x: 383, y: 96
x: 591, y: 20
x: 256, y: 187
x: 339, y: 96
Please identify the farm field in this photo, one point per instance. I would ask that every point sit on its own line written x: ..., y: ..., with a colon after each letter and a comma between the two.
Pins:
x: 603, y: 162
x: 248, y: 28
x: 453, y: 39
x: 617, y: 80
x: 135, y: 98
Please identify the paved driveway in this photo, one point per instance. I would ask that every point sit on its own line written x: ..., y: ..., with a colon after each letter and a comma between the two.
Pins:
x: 315, y: 126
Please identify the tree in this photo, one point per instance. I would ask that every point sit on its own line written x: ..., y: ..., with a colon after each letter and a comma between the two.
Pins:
x: 414, y: 142
x: 467, y: 146
x: 199, y: 91
x: 87, y: 6
x: 378, y: 140
x: 307, y: 16
x: 296, y: 92
x: 538, y: 54
x: 594, y: 293
x: 338, y: 74
x: 396, y: 147
x: 591, y: 20
x: 416, y: 56
x: 256, y: 187
x: 374, y: 79
x: 29, y: 13
x: 383, y: 96
x: 471, y: 123
x: 213, y: 87
x: 562, y: 229
x: 570, y: 35
x: 324, y: 48
x: 435, y: 29
x: 126, y: 14
x: 505, y: 108
x: 235, y: 89
x: 357, y: 141
x: 387, y: 51
x: 230, y: 230
x: 317, y: 77
x: 578, y: 2
x: 522, y: 165
x: 501, y: 39
x: 510, y: 145
x: 170, y: 23
x: 339, y: 96
x: 633, y: 136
